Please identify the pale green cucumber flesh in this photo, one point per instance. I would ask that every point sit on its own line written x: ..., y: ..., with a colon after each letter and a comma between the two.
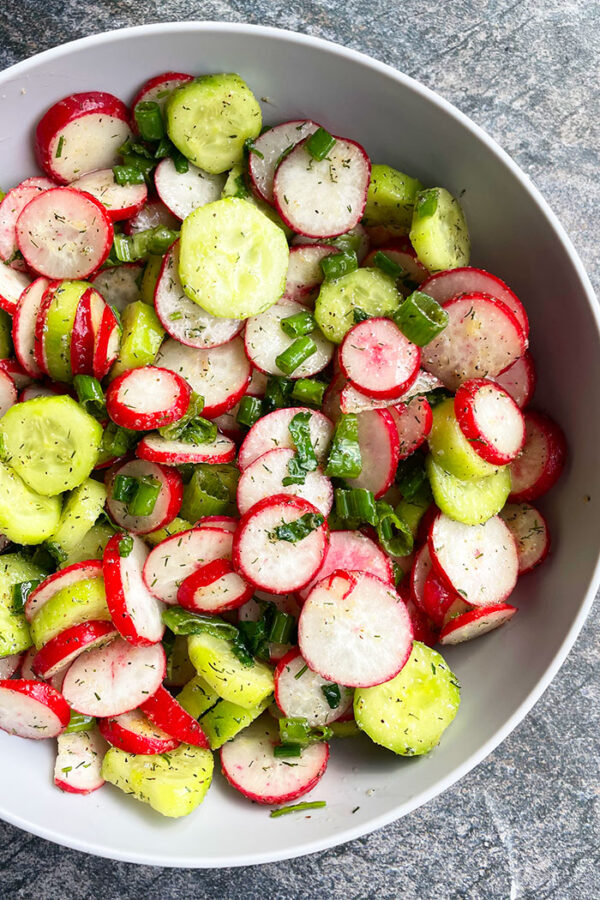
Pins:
x: 14, y: 630
x: 439, y: 232
x: 472, y: 502
x: 215, y: 661
x: 84, y: 601
x: 26, y: 517
x: 391, y: 199
x: 367, y: 289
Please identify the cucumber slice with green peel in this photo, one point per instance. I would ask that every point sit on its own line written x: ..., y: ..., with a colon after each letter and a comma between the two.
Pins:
x: 91, y: 545
x: 58, y: 328
x: 214, y: 659
x: 412, y: 511
x: 82, y: 508
x: 450, y: 448
x: 141, y: 338
x: 367, y: 289
x: 391, y: 199
x: 344, y: 729
x: 26, y: 517
x: 150, y: 278
x: 14, y: 630
x: 211, y: 491
x: 210, y: 118
x: 409, y: 714
x: 221, y: 723
x: 84, y: 601
x: 197, y: 697
x: 233, y: 259
x: 472, y: 502
x: 6, y: 344
x: 174, y: 783
x: 235, y: 186
x: 175, y: 527
x: 51, y: 442
x: 439, y: 231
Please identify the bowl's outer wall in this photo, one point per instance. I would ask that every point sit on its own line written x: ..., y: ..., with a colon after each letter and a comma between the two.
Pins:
x: 513, y: 236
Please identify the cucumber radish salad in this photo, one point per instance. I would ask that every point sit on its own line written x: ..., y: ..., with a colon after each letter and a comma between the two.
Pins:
x: 265, y: 443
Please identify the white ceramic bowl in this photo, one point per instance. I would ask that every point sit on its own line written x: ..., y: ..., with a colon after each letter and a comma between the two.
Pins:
x: 514, y: 235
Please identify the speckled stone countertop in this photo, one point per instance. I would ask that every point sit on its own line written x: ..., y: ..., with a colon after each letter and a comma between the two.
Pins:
x: 525, y: 823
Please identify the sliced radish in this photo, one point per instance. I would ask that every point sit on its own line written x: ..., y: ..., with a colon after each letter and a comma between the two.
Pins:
x: 275, y: 565
x: 174, y: 453
x: 107, y: 342
x: 214, y: 588
x: 265, y: 340
x: 163, y: 710
x: 27, y: 671
x: 12, y: 285
x: 121, y: 201
x: 183, y: 192
x: 304, y: 272
x: 352, y: 401
x: 478, y: 561
x: 251, y: 767
x: 413, y: 421
x: 81, y: 133
x: 269, y: 149
x: 272, y: 431
x: 78, y: 766
x: 14, y: 369
x: 11, y: 207
x: 81, y: 571
x: 119, y: 285
x: 135, y: 612
x: 401, y: 252
x: 481, y: 339
x: 531, y: 534
x: 9, y: 665
x: 63, y: 233
x: 258, y: 384
x: 379, y: 450
x: 227, y: 523
x: 32, y: 709
x: 159, y: 88
x: 438, y: 599
x: 183, y: 319
x: 352, y: 550
x: 476, y: 622
x: 490, y: 420
x: 219, y: 374
x: 43, y: 390
x: 421, y: 567
x: 133, y: 732
x: 323, y: 198
x: 354, y: 630
x: 168, y: 501
x: 252, y: 611
x: 148, y: 397
x: 175, y: 558
x: 265, y: 476
x: 540, y: 464
x: 519, y: 379
x: 114, y: 679
x: 40, y: 326
x: 445, y: 285
x: 23, y: 327
x: 229, y: 425
x: 152, y: 215
x: 379, y: 360
x: 8, y: 393
x: 61, y: 650
x: 87, y: 322
x: 359, y: 232
x: 423, y: 628
x: 298, y: 692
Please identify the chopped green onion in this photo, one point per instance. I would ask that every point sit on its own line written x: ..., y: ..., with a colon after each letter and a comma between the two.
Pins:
x: 249, y: 411
x: 299, y: 429
x: 128, y: 175
x: 420, y: 318
x: 59, y: 148
x: 22, y: 591
x: 149, y: 120
x: 339, y: 264
x: 164, y: 148
x: 320, y: 144
x: 357, y: 504
x: 296, y: 354
x: 124, y: 488
x: 437, y: 395
x: 179, y: 161
x: 129, y: 148
x: 387, y: 265
x: 350, y: 241
x: 240, y: 647
x: 42, y: 558
x: 90, y: 395
x: 123, y: 247
x: 79, y: 722
x: 298, y: 529
x: 56, y: 551
x: 345, y: 460
x: 125, y: 546
x: 285, y: 750
x: 359, y: 315
x: 241, y: 191
x: 296, y: 473
x: 199, y: 431
x: 277, y: 393
x: 181, y: 621
x: 411, y: 475
x: 394, y: 534
x: 281, y: 627
x: 116, y: 442
x: 296, y: 730
x: 299, y: 324
x: 332, y: 694
x: 297, y: 807
x: 142, y: 163
x: 309, y: 391
x: 210, y: 491
x: 250, y: 148
x: 144, y: 499
x: 138, y: 246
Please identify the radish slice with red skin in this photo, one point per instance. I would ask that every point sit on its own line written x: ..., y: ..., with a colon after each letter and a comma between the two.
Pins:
x: 81, y: 133
x: 60, y: 651
x: 27, y: 672
x: 63, y: 233
x: 265, y: 340
x: 519, y: 379
x: 12, y: 285
x: 542, y: 460
x: 106, y: 344
x: 82, y: 336
x: 531, y: 534
x: 54, y: 583
x: 479, y: 562
x: 229, y: 426
x: 353, y: 401
x: 274, y: 565
x: 414, y: 421
x: 17, y: 373
x: 250, y: 766
x: 158, y: 449
x: 114, y: 679
x: 135, y: 612
x: 148, y: 397
x: 476, y: 622
x: 133, y: 732
x: 378, y: 359
x: 183, y: 319
x: 8, y: 393
x: 11, y: 207
x: 32, y: 709
x: 122, y: 201
x: 119, y: 285
x: 175, y: 558
x: 219, y: 374
x: 9, y: 665
x: 23, y: 326
x: 298, y: 692
x: 164, y: 711
x: 419, y: 572
x: 272, y: 431
x: 264, y: 477
x: 490, y: 420
x: 331, y: 405
x: 403, y: 254
x: 159, y: 88
x: 267, y: 150
x: 465, y: 349
x: 379, y: 450
x: 168, y: 502
x: 359, y: 232
x: 252, y: 612
x: 304, y: 272
x: 354, y: 630
x: 152, y: 215
x: 40, y: 326
x: 349, y: 550
x: 183, y: 192
x: 437, y: 598
x: 214, y: 588
x: 45, y: 390
x: 443, y: 286
x: 78, y: 765
x: 227, y: 523
x: 423, y: 628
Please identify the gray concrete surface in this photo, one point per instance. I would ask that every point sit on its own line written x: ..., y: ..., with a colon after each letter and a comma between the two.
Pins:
x: 524, y: 824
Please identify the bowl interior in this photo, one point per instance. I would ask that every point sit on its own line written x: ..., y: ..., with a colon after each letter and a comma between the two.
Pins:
x: 515, y: 236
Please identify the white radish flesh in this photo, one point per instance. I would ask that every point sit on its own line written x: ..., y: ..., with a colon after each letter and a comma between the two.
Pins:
x: 264, y: 478
x: 476, y: 622
x: 8, y: 393
x: 530, y: 531
x: 175, y: 558
x: 352, y: 550
x: 379, y: 360
x: 78, y: 765
x: 32, y: 709
x: 9, y: 665
x: 23, y: 329
x: 304, y: 272
x: 12, y: 285
x: 51, y: 585
x: 119, y: 285
x: 172, y: 453
x: 10, y: 209
x: 152, y: 215
x: 183, y: 192
x: 379, y: 450
x: 121, y: 200
x: 168, y: 501
x: 298, y: 692
x: 268, y: 149
x: 272, y: 431
x: 265, y: 340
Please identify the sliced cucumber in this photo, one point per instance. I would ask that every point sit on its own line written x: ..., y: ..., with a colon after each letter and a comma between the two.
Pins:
x: 81, y: 510
x: 235, y: 186
x: 410, y: 713
x: 84, y: 601
x: 25, y: 516
x: 209, y: 120
x: 91, y: 546
x: 197, y: 696
x: 412, y: 511
x: 179, y: 665
x: 451, y: 449
x: 344, y: 729
x: 14, y: 630
x: 174, y: 527
x: 391, y: 199
x: 211, y: 491
x: 367, y: 289
x: 173, y: 783
x: 470, y: 502
x: 221, y: 723
x: 6, y: 344
x: 215, y: 661
x: 233, y: 259
x: 439, y: 231
x: 149, y: 278
x: 59, y: 328
x: 51, y: 442
x: 141, y: 338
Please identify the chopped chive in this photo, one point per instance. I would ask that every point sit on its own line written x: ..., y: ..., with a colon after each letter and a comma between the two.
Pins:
x: 411, y: 476
x: 298, y: 529
x: 420, y: 318
x: 124, y: 488
x: 90, y: 395
x: 299, y: 324
x: 357, y: 504
x: 359, y: 315
x: 79, y: 722
x: 277, y: 393
x: 181, y: 621
x: 339, y: 264
x: 309, y: 391
x: 297, y: 807
x: 149, y: 120
x: 301, y: 672
x: 59, y: 148
x: 283, y: 750
x: 128, y: 175
x: 320, y: 144
x: 296, y: 730
x: 249, y: 411
x: 144, y: 498
x: 387, y: 265
x: 345, y: 459
x: 281, y: 627
x: 296, y: 354
x: 125, y: 546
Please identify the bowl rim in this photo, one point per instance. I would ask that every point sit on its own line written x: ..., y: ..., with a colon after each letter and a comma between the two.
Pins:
x: 477, y: 132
